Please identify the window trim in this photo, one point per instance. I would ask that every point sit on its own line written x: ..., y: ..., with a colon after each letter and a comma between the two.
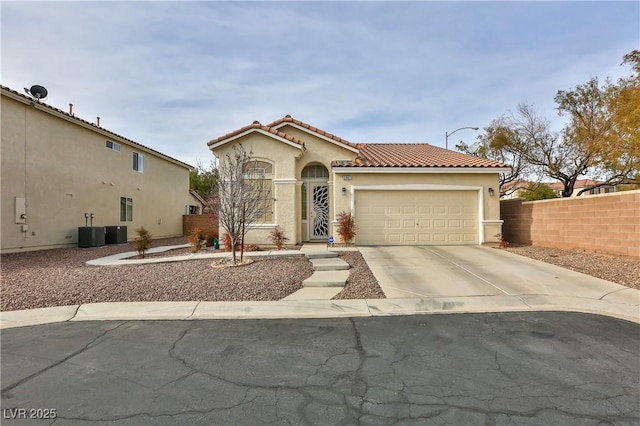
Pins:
x: 126, y: 202
x: 138, y: 162
x: 115, y: 146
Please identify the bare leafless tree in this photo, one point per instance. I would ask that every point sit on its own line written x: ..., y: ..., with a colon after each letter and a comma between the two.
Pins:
x: 243, y: 195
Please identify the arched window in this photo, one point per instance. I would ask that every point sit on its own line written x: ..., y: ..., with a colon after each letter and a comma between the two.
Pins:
x: 315, y: 171
x: 260, y: 167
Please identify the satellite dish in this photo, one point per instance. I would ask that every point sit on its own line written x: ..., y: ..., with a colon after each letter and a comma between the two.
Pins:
x: 38, y: 92
x: 473, y: 148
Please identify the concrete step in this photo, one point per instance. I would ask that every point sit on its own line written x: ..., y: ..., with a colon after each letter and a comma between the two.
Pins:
x: 329, y: 264
x: 327, y: 279
x: 320, y: 254
x: 314, y: 293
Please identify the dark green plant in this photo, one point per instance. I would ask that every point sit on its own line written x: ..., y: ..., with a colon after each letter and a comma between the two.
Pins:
x: 538, y: 191
x: 143, y: 241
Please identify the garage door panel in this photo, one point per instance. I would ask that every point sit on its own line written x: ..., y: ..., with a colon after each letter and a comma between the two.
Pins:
x: 455, y: 224
x: 439, y: 223
x: 416, y: 217
x: 409, y: 238
x: 439, y: 210
x: 424, y: 224
x: 424, y: 238
x: 469, y: 224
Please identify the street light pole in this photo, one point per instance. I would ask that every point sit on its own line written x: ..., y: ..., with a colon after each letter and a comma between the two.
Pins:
x: 446, y: 134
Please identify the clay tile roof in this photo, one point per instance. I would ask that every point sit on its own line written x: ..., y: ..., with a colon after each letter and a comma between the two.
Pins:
x: 256, y: 125
x: 288, y: 119
x: 413, y: 155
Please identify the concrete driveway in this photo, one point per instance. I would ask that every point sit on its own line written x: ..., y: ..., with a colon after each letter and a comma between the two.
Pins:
x: 453, y: 271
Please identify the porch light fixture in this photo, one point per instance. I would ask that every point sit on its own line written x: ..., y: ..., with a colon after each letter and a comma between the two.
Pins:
x: 491, y: 191
x: 447, y: 134
x: 344, y: 191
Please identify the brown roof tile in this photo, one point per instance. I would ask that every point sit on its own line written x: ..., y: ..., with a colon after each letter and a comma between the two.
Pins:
x: 256, y: 125
x: 413, y: 155
x: 288, y: 119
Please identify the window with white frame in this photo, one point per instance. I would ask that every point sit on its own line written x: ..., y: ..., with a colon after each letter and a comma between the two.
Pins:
x: 138, y: 162
x: 113, y: 145
x: 126, y: 209
x: 264, y: 170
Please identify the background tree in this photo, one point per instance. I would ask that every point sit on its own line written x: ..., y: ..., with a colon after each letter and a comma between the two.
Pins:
x: 601, y: 138
x: 547, y: 153
x: 590, y: 121
x: 204, y: 180
x: 538, y: 191
x: 620, y: 155
x: 243, y: 196
x: 492, y: 146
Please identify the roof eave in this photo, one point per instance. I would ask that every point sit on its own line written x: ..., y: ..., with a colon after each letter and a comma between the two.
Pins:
x: 456, y: 169
x: 252, y: 130
x: 56, y: 112
x: 319, y: 135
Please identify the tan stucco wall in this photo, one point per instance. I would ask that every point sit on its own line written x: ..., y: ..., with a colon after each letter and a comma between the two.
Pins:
x: 491, y: 226
x: 288, y: 163
x: 283, y: 158
x: 64, y: 170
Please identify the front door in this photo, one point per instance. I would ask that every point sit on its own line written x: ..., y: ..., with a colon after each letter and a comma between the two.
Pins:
x: 318, y: 222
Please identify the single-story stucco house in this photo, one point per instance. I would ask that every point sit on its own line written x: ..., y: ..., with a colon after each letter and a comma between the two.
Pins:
x: 398, y: 193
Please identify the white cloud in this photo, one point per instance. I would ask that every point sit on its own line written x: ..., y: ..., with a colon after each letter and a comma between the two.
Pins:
x: 172, y: 75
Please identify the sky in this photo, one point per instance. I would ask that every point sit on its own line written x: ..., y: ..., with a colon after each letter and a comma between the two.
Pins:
x: 173, y: 75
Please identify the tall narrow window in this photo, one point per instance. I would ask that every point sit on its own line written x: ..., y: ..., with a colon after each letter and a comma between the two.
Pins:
x: 263, y: 170
x: 138, y: 162
x: 126, y: 209
x: 303, y: 198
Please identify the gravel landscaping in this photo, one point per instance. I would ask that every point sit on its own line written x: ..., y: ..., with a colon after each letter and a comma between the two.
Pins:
x: 60, y: 276
x: 620, y: 270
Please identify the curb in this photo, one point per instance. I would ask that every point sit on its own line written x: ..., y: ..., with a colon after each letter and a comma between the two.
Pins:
x: 189, y: 311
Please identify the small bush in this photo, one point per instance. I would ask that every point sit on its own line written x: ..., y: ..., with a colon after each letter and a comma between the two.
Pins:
x: 278, y: 238
x: 346, y: 227
x: 143, y: 241
x: 196, y: 237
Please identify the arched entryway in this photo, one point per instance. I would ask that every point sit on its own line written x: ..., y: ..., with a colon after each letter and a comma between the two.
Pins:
x: 315, y: 202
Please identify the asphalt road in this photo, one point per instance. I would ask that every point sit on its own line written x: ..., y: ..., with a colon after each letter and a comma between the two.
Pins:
x: 508, y: 368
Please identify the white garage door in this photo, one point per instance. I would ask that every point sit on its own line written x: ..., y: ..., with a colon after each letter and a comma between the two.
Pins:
x: 416, y: 217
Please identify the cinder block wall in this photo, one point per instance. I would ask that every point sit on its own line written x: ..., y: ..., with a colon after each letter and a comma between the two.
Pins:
x: 606, y: 223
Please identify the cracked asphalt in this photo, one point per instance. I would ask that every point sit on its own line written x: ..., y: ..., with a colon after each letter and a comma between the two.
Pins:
x: 508, y: 368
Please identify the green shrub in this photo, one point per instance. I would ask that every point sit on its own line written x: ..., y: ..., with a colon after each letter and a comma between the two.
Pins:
x: 143, y: 241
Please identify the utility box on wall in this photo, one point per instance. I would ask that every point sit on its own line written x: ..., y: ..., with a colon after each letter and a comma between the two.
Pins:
x: 91, y: 236
x: 116, y: 235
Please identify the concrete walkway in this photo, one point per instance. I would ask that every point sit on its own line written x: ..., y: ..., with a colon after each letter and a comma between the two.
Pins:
x: 582, y: 294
